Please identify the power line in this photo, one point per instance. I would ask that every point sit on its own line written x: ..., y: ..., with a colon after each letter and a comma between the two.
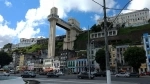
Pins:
x: 97, y: 3
x: 118, y: 8
x: 126, y: 9
x: 118, y: 14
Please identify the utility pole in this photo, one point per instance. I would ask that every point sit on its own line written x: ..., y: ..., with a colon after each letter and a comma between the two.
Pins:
x: 106, y: 45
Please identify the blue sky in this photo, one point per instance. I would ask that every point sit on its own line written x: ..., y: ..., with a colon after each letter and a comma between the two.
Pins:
x: 28, y: 18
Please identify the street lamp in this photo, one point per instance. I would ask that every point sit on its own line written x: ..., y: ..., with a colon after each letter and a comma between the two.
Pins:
x: 116, y: 68
x: 89, y: 56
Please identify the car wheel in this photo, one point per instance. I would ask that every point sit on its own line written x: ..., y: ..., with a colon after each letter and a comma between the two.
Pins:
x: 92, y: 78
x: 103, y: 75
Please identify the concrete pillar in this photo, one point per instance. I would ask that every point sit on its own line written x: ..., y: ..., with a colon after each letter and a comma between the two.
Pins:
x: 51, y: 42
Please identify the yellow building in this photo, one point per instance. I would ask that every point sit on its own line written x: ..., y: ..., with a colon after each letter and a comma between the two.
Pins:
x: 143, y: 68
x: 21, y: 62
x: 117, y: 59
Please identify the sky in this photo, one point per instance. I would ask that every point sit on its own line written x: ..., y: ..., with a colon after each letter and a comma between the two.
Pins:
x: 28, y: 18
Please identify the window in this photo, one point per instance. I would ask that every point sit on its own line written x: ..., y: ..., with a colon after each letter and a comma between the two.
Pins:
x: 113, y: 55
x: 148, y: 51
x: 146, y: 39
x: 112, y: 49
x: 92, y: 52
x: 147, y: 46
x: 95, y: 35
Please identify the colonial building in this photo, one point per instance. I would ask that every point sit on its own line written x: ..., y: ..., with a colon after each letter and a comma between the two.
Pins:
x: 117, y: 62
x: 135, y: 18
x: 64, y: 56
x: 25, y: 42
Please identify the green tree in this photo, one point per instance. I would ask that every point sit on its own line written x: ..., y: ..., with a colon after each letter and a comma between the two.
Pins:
x: 82, y: 53
x: 8, y: 45
x: 5, y: 59
x: 96, y: 28
x: 149, y: 21
x: 134, y: 56
x: 109, y: 24
x: 100, y: 59
x: 123, y: 25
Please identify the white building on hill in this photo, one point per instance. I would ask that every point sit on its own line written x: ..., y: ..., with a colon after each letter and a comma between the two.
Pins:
x: 135, y: 18
x: 25, y: 42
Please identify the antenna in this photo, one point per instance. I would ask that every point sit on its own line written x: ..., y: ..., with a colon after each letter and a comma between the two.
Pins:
x: 53, y: 3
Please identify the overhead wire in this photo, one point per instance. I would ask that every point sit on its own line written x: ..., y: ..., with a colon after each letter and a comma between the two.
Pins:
x: 116, y: 9
x: 118, y: 14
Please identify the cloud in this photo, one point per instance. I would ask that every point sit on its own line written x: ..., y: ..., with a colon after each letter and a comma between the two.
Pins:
x: 34, y: 17
x: 96, y: 17
x: 137, y: 5
x: 8, y: 4
x: 84, y: 28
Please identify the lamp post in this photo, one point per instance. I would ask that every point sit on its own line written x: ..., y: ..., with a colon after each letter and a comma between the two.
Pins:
x: 116, y: 68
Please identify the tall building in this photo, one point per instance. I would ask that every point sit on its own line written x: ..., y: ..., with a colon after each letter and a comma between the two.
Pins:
x: 146, y: 43
x: 135, y: 18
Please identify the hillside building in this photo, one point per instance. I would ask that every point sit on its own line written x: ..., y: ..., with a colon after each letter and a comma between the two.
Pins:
x: 130, y: 19
x: 146, y: 43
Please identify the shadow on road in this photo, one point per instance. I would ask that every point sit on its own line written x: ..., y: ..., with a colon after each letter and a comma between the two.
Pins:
x: 31, y: 82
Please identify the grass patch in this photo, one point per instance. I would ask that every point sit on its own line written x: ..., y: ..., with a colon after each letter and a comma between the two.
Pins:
x: 124, y: 31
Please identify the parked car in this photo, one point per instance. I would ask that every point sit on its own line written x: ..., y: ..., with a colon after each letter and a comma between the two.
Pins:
x: 42, y: 73
x: 100, y: 74
x: 122, y: 74
x: 4, y: 74
x: 52, y: 74
x: 148, y: 73
x: 60, y: 73
x: 134, y: 74
x: 12, y: 71
x: 83, y: 75
x: 28, y: 74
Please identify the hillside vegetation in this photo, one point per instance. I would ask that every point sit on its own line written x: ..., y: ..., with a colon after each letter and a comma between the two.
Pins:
x: 126, y: 35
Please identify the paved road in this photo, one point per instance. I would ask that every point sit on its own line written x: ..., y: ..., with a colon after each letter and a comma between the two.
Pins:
x: 73, y: 81
x: 141, y: 80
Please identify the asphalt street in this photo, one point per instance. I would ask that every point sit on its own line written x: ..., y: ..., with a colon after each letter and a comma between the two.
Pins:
x: 72, y: 81
x: 141, y: 80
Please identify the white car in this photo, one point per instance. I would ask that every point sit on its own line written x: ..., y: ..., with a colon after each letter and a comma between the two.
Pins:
x: 4, y: 74
x: 122, y: 74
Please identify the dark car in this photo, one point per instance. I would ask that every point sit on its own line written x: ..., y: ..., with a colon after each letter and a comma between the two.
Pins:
x: 134, y: 75
x: 28, y: 74
x: 83, y: 75
x: 100, y: 74
x: 42, y: 73
x: 51, y: 74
